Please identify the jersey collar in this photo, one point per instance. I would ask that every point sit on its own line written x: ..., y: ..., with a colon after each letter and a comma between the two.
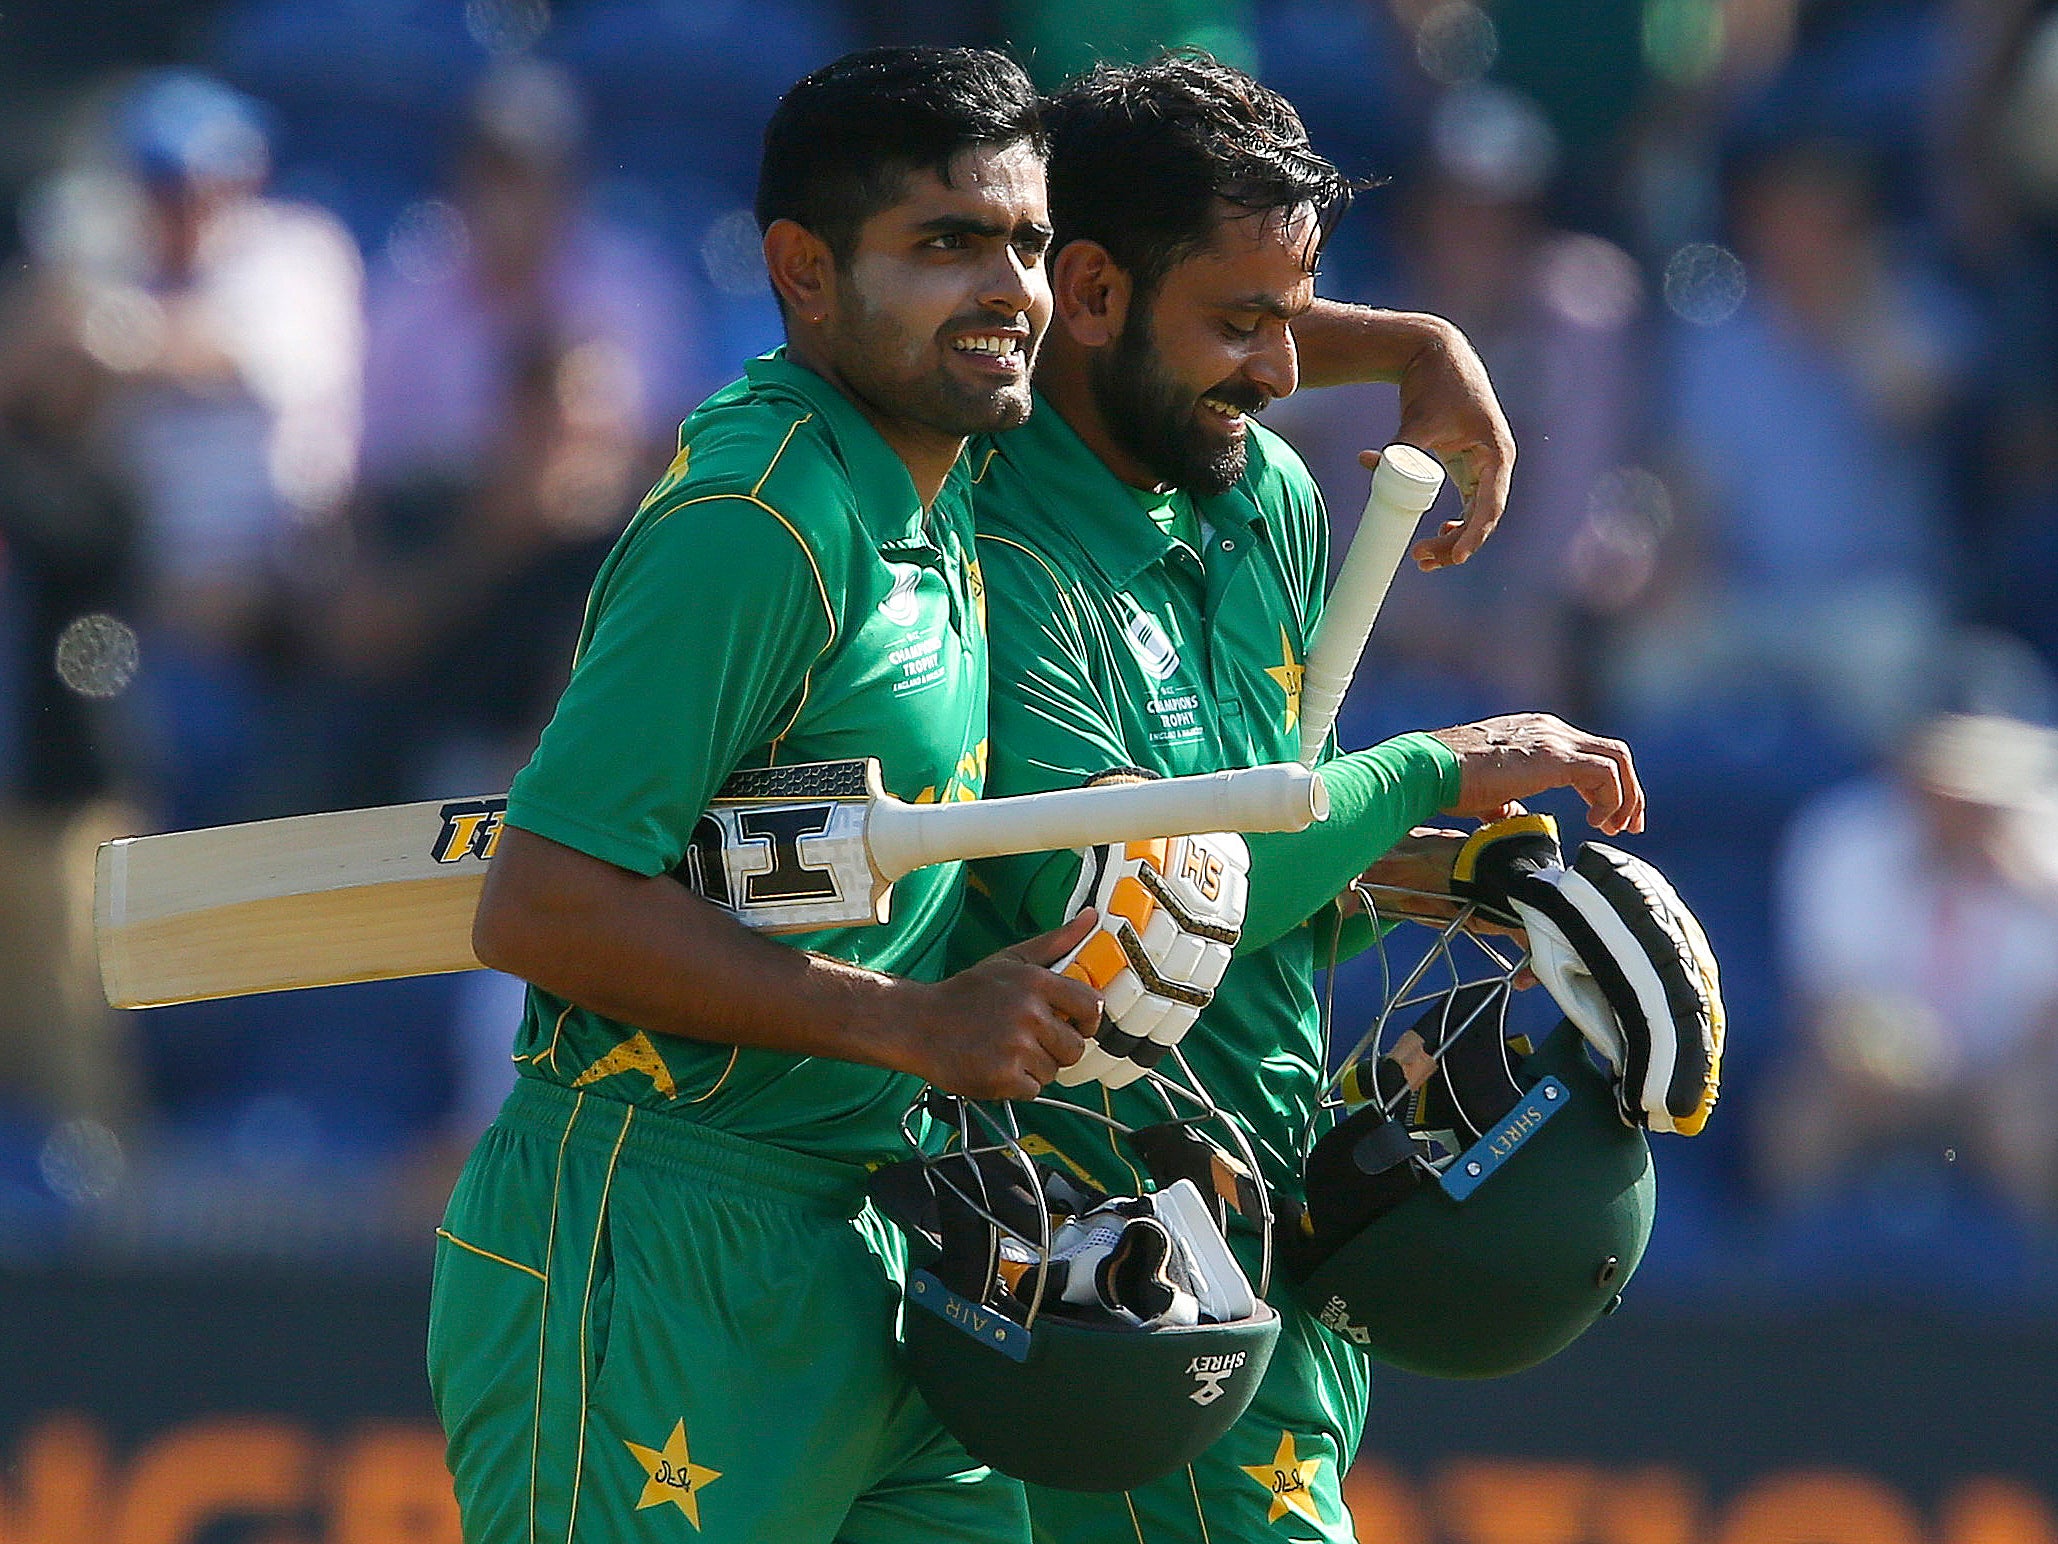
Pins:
x: 886, y: 497
x: 1091, y: 506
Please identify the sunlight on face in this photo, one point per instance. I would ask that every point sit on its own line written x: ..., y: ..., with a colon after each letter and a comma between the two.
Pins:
x: 938, y: 315
x: 1212, y: 345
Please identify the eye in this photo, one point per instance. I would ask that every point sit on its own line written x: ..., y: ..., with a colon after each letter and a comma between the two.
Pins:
x: 949, y: 241
x: 1240, y: 334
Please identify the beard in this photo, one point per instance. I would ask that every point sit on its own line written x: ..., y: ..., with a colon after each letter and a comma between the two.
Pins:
x: 902, y: 376
x: 1159, y: 421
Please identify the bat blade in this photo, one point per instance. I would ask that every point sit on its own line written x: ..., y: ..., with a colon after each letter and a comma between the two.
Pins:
x: 313, y: 900
x: 370, y: 895
x: 1404, y: 485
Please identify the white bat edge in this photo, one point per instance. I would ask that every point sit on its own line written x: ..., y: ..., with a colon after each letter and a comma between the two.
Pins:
x: 1404, y: 485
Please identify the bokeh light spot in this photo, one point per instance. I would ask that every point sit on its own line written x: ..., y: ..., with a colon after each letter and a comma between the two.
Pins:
x: 1456, y: 43
x: 506, y: 27
x: 1704, y: 284
x: 82, y: 1161
x: 97, y: 655
x: 428, y: 241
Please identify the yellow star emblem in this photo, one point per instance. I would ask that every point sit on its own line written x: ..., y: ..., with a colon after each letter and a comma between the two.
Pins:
x: 673, y: 1476
x: 1288, y: 673
x: 1291, y: 1479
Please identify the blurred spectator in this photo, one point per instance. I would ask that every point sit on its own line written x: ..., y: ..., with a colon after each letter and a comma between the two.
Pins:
x: 1813, y: 386
x: 1919, y: 916
x: 1554, y: 314
x: 525, y: 376
x: 528, y: 366
x: 225, y: 327
x: 67, y: 528
x: 1994, y: 179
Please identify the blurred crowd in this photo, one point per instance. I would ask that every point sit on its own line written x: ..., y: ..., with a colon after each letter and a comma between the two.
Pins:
x: 339, y: 337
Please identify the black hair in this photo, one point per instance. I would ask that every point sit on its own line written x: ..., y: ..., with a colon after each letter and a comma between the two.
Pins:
x: 843, y: 141
x: 1143, y: 155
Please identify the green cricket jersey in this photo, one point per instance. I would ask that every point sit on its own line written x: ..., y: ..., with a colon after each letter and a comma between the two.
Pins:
x: 780, y: 597
x: 1116, y: 643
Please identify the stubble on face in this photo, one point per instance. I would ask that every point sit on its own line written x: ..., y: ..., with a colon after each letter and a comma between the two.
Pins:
x: 1153, y: 416
x: 936, y: 328
x: 906, y: 371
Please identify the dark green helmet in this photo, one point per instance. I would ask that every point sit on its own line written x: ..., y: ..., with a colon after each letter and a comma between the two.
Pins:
x: 1480, y: 1201
x: 1066, y: 1337
x: 1471, y: 1275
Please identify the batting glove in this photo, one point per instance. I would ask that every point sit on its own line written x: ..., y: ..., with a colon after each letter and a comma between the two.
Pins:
x: 1622, y: 955
x: 1171, y: 911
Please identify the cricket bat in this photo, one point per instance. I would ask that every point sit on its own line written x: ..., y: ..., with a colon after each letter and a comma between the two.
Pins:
x: 373, y: 894
x: 1404, y: 485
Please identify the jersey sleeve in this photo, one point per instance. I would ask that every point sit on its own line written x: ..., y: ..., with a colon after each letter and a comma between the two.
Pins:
x: 1052, y: 728
x: 1375, y: 798
x: 678, y: 679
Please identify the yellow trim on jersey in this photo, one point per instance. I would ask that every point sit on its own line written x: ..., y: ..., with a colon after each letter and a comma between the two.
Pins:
x: 792, y: 429
x: 1199, y: 1513
x: 1134, y: 1521
x: 529, y: 1270
x: 1107, y: 1106
x: 543, y: 1316
x: 585, y: 1313
x: 734, y: 1052
x: 807, y: 552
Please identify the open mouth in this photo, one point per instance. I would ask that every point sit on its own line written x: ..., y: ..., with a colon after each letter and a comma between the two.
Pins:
x: 1226, y: 412
x: 999, y: 348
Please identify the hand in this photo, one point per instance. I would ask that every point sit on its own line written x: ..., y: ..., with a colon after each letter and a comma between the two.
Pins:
x: 1002, y: 1029
x: 1448, y: 408
x: 1520, y: 755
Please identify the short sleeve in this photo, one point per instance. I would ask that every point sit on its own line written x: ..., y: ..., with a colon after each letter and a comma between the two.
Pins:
x: 701, y: 634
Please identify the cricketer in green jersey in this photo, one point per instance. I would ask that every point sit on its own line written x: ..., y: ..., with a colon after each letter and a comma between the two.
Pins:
x: 663, y: 1308
x: 1155, y: 565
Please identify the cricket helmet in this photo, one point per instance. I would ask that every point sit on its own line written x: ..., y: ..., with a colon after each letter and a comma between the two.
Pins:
x: 1480, y: 1203
x: 1064, y: 1336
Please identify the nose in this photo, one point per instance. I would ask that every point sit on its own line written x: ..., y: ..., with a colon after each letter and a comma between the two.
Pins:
x: 1014, y: 285
x: 1275, y: 364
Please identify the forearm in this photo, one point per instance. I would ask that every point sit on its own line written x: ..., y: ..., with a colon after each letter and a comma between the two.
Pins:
x: 1375, y: 798
x: 647, y: 951
x: 1341, y: 345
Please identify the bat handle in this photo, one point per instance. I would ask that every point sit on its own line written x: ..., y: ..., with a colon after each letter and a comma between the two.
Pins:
x: 1284, y: 796
x: 1404, y: 485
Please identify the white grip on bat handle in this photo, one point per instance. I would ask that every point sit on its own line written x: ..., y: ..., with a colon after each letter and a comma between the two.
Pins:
x: 1283, y: 796
x: 1404, y: 484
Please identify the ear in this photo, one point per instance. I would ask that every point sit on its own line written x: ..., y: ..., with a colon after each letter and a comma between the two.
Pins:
x: 803, y: 271
x: 1092, y: 293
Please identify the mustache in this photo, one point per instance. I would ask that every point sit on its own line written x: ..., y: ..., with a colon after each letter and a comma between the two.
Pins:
x: 1241, y: 395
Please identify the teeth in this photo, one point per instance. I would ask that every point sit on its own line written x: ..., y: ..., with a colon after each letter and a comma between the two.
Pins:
x: 1215, y: 404
x: 997, y: 346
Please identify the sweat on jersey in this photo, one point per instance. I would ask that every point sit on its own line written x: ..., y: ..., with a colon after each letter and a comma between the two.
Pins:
x: 1115, y: 643
x: 781, y: 596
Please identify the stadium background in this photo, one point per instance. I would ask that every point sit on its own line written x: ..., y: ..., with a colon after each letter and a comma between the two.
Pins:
x: 501, y: 245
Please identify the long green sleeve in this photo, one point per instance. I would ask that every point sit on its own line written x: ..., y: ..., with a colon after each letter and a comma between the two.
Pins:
x: 1376, y: 797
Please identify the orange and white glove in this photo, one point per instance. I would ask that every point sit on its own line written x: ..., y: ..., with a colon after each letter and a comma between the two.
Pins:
x: 1171, y: 911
